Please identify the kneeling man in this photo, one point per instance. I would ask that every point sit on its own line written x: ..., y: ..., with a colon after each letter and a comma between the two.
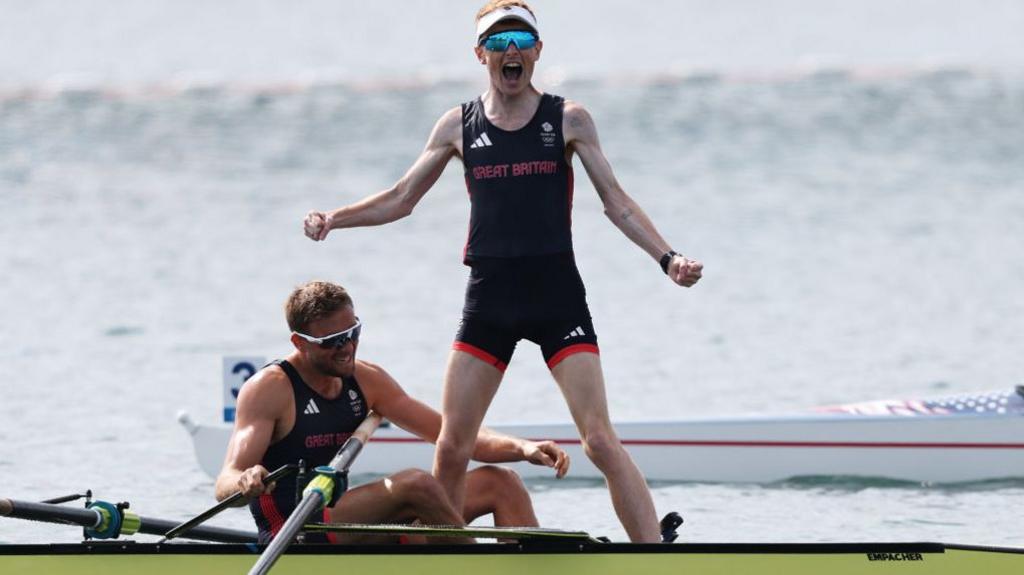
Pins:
x: 321, y: 391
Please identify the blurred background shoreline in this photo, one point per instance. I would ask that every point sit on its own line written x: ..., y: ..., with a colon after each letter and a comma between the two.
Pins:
x: 269, y: 44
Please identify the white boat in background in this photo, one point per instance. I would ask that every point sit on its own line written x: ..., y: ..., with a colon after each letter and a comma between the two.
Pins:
x: 959, y: 438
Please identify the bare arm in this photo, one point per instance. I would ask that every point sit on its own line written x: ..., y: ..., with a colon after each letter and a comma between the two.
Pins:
x: 398, y: 201
x: 619, y: 207
x: 259, y: 404
x: 390, y: 400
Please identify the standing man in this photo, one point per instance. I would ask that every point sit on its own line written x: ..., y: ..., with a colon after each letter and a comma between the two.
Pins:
x: 517, y: 145
x: 306, y: 406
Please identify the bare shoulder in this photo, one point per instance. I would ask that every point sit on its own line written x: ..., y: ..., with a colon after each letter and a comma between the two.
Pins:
x: 371, y: 374
x: 266, y: 392
x: 377, y: 384
x: 578, y: 123
x: 269, y: 380
x: 574, y: 111
x: 452, y: 118
x: 448, y: 130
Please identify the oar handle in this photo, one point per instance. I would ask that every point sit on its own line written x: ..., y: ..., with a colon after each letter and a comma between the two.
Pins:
x: 367, y: 427
x: 348, y: 452
x: 270, y: 478
x: 230, y: 501
x: 6, y: 507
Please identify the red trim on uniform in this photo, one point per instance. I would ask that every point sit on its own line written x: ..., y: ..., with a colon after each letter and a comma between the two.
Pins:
x: 480, y: 354
x: 570, y: 196
x: 567, y: 351
x: 332, y: 537
x: 469, y: 225
x: 270, y: 511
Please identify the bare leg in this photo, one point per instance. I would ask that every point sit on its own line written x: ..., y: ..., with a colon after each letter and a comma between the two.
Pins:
x: 469, y: 387
x: 498, y: 491
x: 403, y: 497
x: 582, y: 383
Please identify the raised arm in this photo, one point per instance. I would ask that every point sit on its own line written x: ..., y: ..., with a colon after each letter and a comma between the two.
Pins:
x: 258, y: 403
x: 387, y: 397
x: 395, y: 203
x: 581, y: 139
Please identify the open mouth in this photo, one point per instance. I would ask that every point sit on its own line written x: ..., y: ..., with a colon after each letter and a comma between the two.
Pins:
x: 512, y: 71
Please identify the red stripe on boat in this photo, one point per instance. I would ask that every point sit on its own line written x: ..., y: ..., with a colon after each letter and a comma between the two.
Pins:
x: 809, y: 444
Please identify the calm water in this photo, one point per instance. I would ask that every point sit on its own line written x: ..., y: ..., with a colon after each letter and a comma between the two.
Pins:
x: 860, y: 224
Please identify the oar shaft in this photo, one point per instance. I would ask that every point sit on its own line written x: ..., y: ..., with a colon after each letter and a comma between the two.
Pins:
x: 351, y: 449
x: 91, y: 518
x: 153, y: 526
x: 287, y: 534
x: 354, y: 444
x: 49, y: 513
x: 347, y: 454
x: 181, y: 529
x: 314, y: 499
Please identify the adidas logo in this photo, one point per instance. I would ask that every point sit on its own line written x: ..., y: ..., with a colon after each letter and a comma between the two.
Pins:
x: 311, y: 408
x: 578, y: 332
x: 482, y: 142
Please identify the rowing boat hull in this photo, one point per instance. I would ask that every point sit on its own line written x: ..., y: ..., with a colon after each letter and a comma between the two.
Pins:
x: 959, y: 438
x: 493, y: 559
x: 848, y: 441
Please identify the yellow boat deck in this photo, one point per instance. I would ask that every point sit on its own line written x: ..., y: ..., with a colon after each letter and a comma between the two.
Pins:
x: 123, y: 558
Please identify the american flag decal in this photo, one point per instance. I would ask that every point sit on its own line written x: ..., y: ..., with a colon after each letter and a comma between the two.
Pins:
x: 986, y: 403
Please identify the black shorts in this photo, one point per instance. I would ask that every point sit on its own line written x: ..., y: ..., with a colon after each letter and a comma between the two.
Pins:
x: 538, y: 298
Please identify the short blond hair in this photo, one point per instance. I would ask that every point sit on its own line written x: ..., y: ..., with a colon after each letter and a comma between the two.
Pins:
x: 495, y: 4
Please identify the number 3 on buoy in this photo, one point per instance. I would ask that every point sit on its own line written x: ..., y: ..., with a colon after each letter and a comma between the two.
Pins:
x: 236, y: 371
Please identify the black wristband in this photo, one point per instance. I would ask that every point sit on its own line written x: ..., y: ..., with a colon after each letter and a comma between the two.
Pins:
x: 667, y: 259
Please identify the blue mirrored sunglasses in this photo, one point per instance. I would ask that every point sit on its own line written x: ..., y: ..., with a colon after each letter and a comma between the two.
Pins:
x: 335, y: 340
x: 500, y: 42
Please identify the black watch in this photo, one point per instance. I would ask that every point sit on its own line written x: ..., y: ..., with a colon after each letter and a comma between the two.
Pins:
x: 667, y: 259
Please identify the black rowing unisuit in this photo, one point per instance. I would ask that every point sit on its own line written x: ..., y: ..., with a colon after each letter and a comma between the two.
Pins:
x: 321, y: 427
x: 520, y: 184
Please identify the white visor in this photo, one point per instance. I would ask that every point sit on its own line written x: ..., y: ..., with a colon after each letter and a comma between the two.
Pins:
x: 505, y: 13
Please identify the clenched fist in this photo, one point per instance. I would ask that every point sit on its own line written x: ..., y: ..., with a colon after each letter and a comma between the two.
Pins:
x: 684, y: 271
x: 317, y: 225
